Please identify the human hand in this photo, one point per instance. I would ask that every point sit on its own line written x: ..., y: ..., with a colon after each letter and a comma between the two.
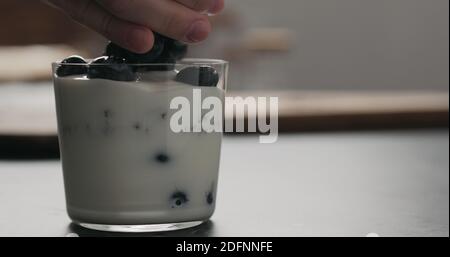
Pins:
x: 131, y: 23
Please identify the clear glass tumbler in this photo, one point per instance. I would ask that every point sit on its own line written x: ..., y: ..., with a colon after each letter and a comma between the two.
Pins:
x: 125, y: 168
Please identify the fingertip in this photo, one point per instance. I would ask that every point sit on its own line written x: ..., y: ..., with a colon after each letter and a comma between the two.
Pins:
x: 139, y: 39
x: 198, y: 31
x: 217, y: 7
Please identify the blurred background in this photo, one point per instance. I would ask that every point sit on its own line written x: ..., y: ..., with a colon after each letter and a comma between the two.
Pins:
x: 336, y: 65
x: 363, y: 115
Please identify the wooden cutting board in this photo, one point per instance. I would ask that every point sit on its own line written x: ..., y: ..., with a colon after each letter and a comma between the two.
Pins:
x: 349, y: 110
x: 28, y: 119
x: 28, y: 109
x: 30, y: 63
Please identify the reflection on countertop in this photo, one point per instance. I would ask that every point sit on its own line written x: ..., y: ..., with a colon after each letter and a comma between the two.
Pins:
x: 205, y: 229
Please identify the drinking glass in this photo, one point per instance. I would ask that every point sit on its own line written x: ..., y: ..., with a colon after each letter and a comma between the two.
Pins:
x: 125, y: 168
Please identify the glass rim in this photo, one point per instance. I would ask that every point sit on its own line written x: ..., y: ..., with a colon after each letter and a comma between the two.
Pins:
x: 187, y: 61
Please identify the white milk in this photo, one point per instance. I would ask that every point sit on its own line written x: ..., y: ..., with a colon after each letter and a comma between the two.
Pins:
x: 122, y: 164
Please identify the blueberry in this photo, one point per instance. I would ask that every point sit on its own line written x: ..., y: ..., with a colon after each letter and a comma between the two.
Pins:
x: 112, y: 68
x: 210, y: 198
x: 106, y: 113
x: 165, y: 59
x: 137, y: 126
x: 77, y: 69
x: 177, y: 49
x: 134, y: 58
x: 178, y: 199
x: 100, y: 60
x: 162, y: 158
x: 165, y: 51
x: 174, y: 50
x: 74, y: 59
x: 203, y: 76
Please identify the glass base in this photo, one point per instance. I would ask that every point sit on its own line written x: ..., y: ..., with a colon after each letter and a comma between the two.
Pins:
x: 141, y: 228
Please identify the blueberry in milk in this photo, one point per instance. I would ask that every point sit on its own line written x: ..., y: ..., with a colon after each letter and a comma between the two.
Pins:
x: 107, y: 113
x: 162, y: 158
x: 137, y: 126
x: 202, y: 76
x: 178, y: 199
x: 110, y: 67
x: 210, y: 198
x: 75, y: 69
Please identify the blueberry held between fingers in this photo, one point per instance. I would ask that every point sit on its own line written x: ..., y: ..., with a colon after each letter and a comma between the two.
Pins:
x: 162, y: 57
x: 178, y: 199
x: 179, y: 50
x: 151, y: 56
x: 112, y: 68
x: 67, y: 69
x: 173, y: 50
x: 203, y: 76
x: 163, y: 63
x: 176, y: 49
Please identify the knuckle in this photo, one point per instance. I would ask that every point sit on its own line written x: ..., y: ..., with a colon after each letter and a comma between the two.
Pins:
x: 117, y: 6
x: 78, y: 11
x: 105, y: 25
x: 169, y: 23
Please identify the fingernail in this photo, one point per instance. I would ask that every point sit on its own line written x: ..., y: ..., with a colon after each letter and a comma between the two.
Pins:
x: 198, y: 31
